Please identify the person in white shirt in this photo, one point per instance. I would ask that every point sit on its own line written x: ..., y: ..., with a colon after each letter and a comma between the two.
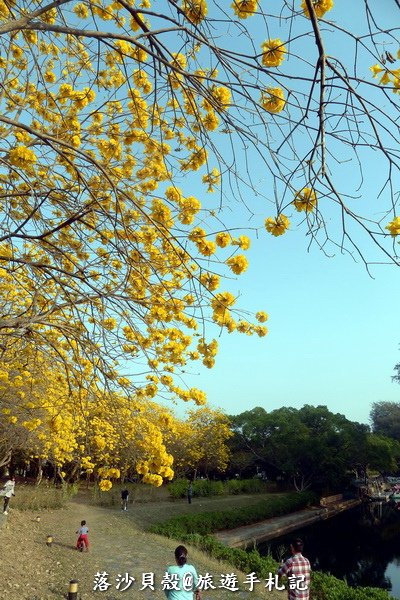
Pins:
x: 8, y: 491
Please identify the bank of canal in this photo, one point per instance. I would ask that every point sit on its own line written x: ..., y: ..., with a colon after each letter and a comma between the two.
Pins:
x: 361, y: 545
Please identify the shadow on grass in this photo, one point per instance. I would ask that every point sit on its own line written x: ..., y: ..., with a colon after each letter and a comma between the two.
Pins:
x: 62, y: 545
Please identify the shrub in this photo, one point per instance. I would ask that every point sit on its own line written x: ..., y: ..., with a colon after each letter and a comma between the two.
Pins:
x: 208, y: 522
x: 327, y: 587
x: 205, y: 487
x: 178, y: 488
x: 252, y: 486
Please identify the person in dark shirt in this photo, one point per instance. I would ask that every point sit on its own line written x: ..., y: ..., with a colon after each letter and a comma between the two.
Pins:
x: 124, y: 499
x: 190, y: 492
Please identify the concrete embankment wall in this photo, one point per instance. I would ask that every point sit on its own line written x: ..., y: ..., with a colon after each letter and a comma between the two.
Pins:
x: 248, y: 535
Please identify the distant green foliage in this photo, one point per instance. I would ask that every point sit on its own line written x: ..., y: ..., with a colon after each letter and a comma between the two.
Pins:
x: 207, y: 522
x: 205, y: 487
x: 314, y: 447
x: 178, y: 488
x: 30, y: 497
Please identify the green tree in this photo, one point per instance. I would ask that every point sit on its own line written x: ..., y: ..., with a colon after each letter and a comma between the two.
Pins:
x: 381, y: 453
x: 311, y: 446
x: 385, y: 418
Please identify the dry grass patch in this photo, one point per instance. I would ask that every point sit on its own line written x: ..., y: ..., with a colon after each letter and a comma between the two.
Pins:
x: 119, y: 544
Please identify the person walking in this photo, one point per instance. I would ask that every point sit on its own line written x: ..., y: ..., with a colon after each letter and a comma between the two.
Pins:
x: 8, y: 491
x: 83, y: 536
x: 124, y: 499
x: 181, y: 579
x: 298, y: 569
x: 190, y: 492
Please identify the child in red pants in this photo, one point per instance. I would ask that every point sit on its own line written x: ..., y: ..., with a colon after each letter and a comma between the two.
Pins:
x: 82, y: 536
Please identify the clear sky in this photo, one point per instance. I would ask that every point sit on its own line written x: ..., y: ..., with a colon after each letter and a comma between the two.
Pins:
x: 333, y: 334
x: 334, y: 330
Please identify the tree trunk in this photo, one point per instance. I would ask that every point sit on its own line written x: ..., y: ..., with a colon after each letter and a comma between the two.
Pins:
x: 74, y: 472
x: 60, y: 475
x: 39, y: 476
x: 6, y: 459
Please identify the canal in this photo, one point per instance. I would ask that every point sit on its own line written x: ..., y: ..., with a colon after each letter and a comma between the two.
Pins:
x: 361, y: 546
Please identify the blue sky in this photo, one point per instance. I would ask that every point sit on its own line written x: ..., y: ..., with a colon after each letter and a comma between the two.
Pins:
x: 334, y: 330
x: 333, y: 334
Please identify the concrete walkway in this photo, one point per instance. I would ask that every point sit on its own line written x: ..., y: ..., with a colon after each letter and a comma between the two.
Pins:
x: 272, y: 528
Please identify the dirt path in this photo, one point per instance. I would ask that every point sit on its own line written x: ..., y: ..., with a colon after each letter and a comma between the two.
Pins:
x: 119, y: 546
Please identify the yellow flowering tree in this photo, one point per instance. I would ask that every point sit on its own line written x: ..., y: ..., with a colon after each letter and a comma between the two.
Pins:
x: 77, y: 430
x: 199, y: 443
x: 117, y: 121
x: 39, y: 416
x: 106, y: 436
x: 108, y: 107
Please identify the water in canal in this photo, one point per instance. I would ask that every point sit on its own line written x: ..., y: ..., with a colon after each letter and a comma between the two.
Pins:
x: 361, y: 545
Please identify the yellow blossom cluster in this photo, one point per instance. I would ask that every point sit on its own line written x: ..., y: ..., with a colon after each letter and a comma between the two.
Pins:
x: 242, y: 241
x: 261, y: 316
x: 204, y: 246
x: 223, y: 239
x: 320, y: 7
x: 305, y: 200
x: 273, y: 53
x: 195, y: 10
x: 277, y: 225
x: 221, y: 97
x: 391, y: 76
x: 273, y: 100
x: 238, y: 263
x: 5, y: 8
x: 105, y: 485
x: 210, y: 281
x: 245, y: 8
x: 212, y: 178
x: 21, y: 156
x: 394, y: 227
x: 188, y: 207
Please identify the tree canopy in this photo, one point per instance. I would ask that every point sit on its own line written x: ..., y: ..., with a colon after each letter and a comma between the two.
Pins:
x: 107, y: 434
x: 311, y: 446
x: 120, y: 119
x: 385, y: 418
